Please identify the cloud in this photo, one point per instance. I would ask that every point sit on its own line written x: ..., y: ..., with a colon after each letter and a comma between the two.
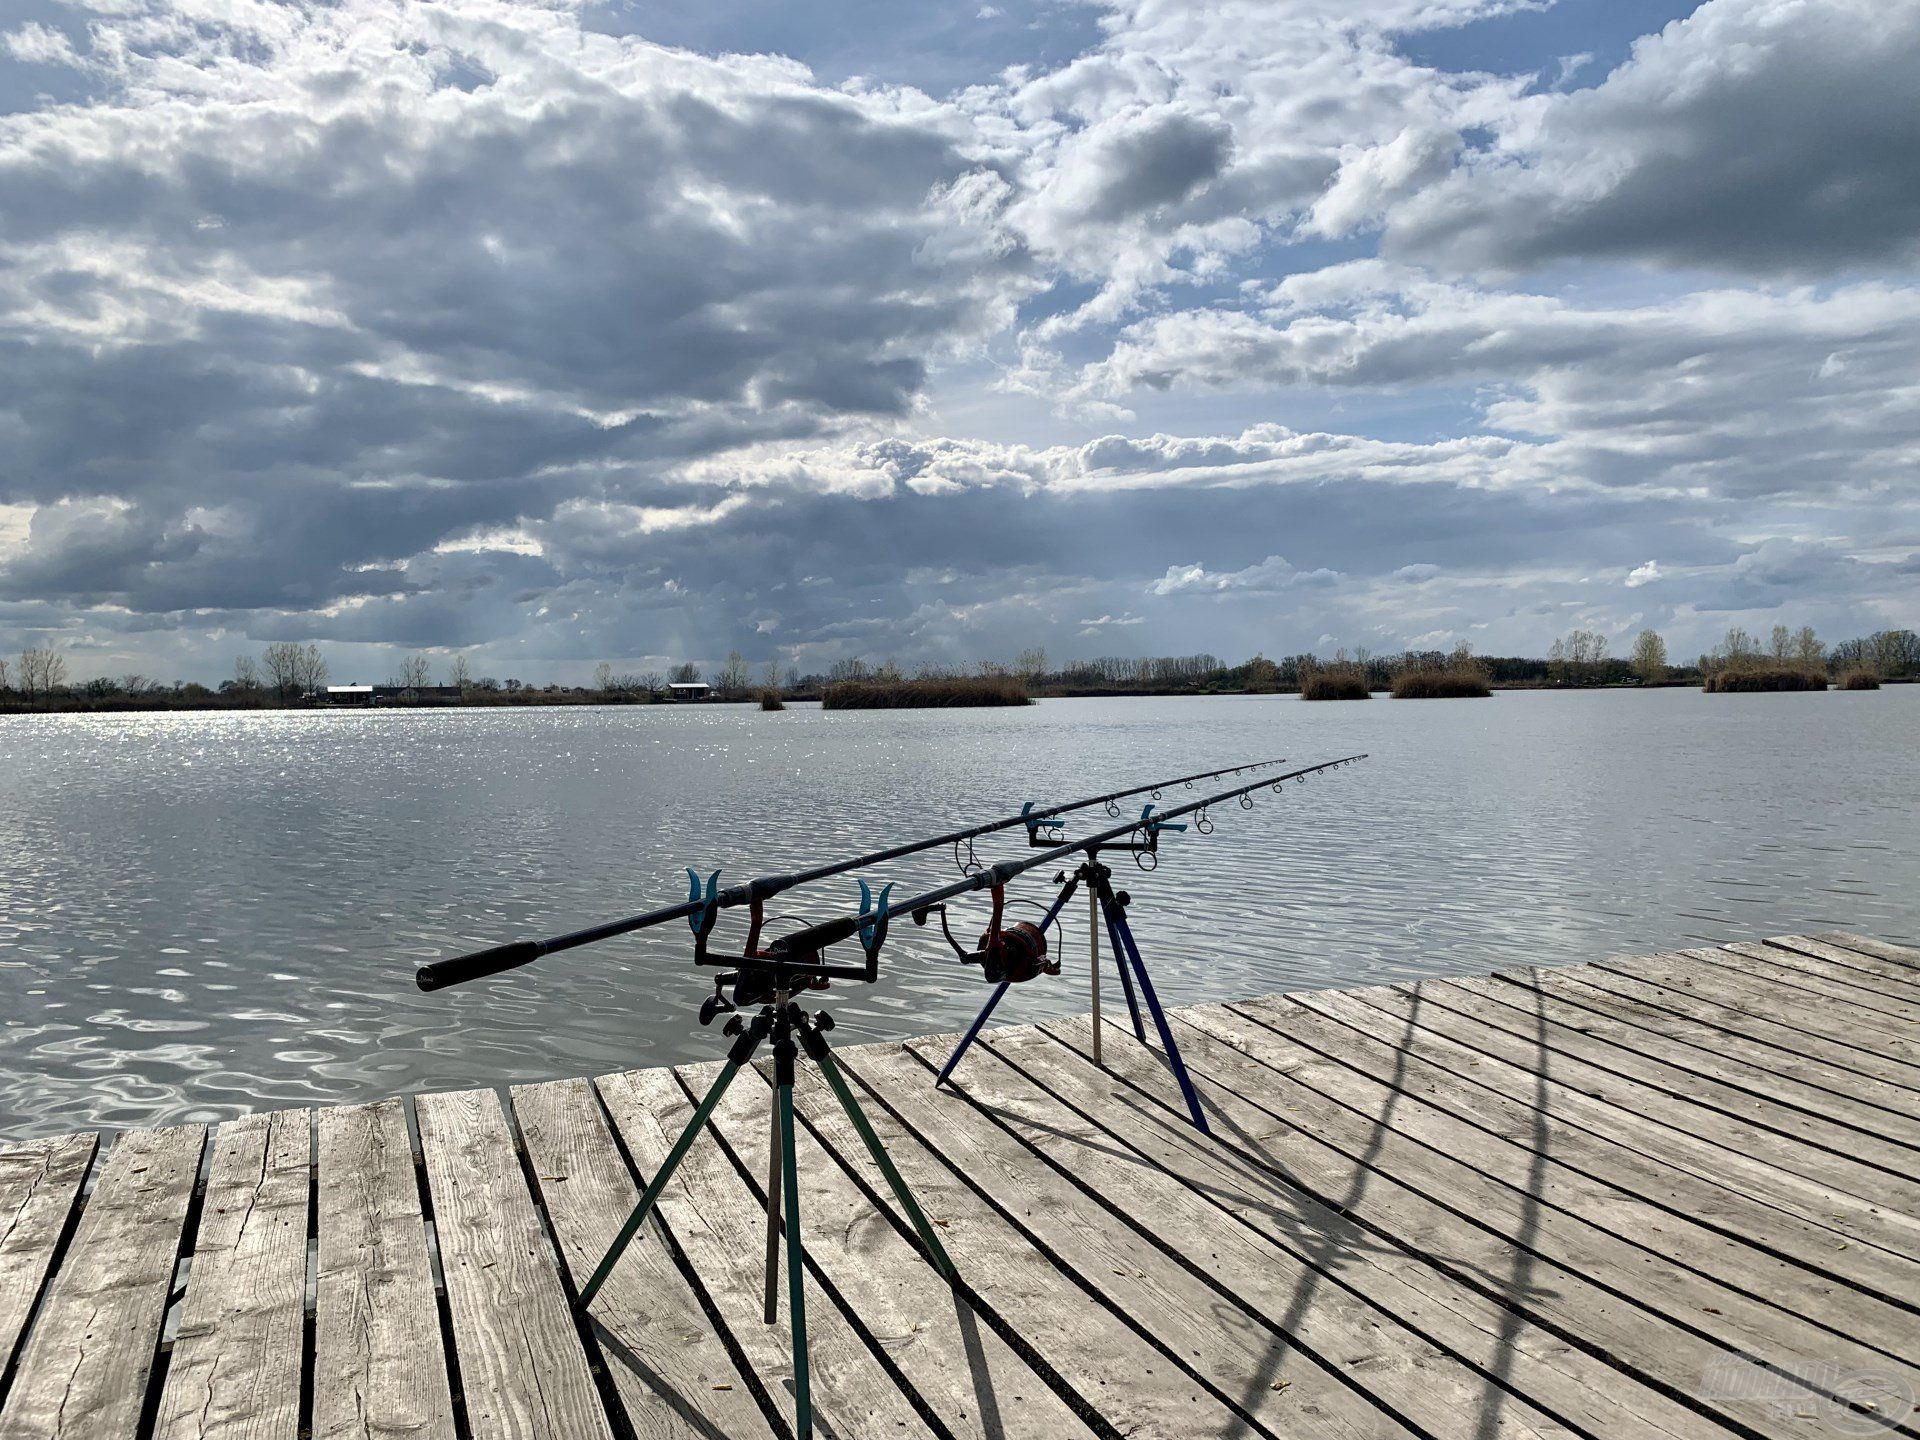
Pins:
x: 1141, y: 162
x: 353, y: 281
x: 1720, y: 387
x: 1772, y: 136
x: 386, y: 324
x: 1643, y: 574
x: 1269, y: 577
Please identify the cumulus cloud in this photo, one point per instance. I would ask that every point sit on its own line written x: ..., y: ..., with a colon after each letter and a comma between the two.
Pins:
x: 1717, y: 387
x: 1643, y: 574
x: 1775, y: 136
x: 1270, y: 576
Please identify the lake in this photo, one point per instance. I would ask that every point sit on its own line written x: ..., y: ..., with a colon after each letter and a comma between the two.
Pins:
x: 205, y: 914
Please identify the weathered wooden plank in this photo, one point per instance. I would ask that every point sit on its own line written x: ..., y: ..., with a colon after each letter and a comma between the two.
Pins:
x: 235, y: 1371
x: 1830, y: 1005
x: 39, y: 1182
x: 1884, y: 978
x: 1105, y: 1360
x: 1867, y: 945
x: 1652, y: 1292
x: 672, y: 1373
x: 1670, y: 1096
x: 1789, y: 1017
x: 1752, y: 1094
x: 1405, y: 1370
x: 720, y: 1224
x: 1276, y: 1380
x: 1841, y: 1068
x: 522, y: 1371
x: 1434, y: 1074
x: 379, y: 1370
x: 964, y: 1373
x: 1697, y: 1046
x: 85, y: 1367
x: 1713, y: 1049
x: 1506, y: 1360
x: 1709, y: 1149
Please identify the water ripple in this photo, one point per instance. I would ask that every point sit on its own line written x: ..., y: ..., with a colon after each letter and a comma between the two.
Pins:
x: 203, y: 915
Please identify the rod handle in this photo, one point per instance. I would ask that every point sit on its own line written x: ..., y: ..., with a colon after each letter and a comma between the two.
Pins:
x: 439, y: 974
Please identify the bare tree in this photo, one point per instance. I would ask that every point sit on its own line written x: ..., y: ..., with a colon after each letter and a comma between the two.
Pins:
x: 1807, y: 648
x: 42, y: 671
x: 415, y: 672
x: 281, y: 661
x: 1031, y: 665
x: 246, y: 674
x: 1895, y: 652
x: 309, y: 669
x: 1781, y: 643
x: 1737, y: 651
x: 733, y: 674
x: 1650, y: 657
x: 770, y: 677
x: 686, y: 673
x: 459, y: 672
x: 603, y: 677
x: 649, y: 681
x: 3, y: 672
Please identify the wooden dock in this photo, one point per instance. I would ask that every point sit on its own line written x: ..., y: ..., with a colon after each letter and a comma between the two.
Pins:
x: 1642, y: 1199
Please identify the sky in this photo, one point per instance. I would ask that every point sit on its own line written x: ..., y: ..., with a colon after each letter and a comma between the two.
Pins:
x: 640, y: 332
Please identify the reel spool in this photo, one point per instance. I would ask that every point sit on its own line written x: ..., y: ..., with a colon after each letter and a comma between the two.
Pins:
x: 1017, y: 953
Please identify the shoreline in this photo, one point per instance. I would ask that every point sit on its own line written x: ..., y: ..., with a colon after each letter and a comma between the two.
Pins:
x: 542, y: 700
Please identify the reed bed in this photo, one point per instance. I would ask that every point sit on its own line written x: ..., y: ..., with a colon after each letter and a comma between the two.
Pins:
x: 1750, y: 679
x: 925, y: 694
x: 1335, y: 682
x: 1860, y: 677
x: 770, y: 700
x: 1458, y: 679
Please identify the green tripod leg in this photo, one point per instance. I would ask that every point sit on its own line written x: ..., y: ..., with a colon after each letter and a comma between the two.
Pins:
x: 822, y: 1056
x: 742, y: 1051
x: 783, y: 1055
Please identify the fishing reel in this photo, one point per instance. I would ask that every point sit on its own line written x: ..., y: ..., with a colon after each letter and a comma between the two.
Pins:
x: 1007, y: 954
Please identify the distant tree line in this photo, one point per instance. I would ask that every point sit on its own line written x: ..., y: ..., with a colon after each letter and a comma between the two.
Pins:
x: 288, y: 673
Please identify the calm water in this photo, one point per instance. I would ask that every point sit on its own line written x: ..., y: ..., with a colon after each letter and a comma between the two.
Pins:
x: 206, y: 914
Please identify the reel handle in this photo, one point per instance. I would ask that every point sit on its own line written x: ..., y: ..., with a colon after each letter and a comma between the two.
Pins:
x: 438, y: 974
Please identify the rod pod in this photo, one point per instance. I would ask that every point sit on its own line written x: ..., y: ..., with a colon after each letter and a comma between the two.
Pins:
x: 791, y: 1031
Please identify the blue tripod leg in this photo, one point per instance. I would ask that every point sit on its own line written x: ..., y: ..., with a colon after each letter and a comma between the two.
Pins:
x: 1118, y: 921
x: 1120, y: 964
x: 979, y: 1020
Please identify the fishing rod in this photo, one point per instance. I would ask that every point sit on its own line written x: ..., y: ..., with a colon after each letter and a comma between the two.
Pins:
x: 478, y: 964
x: 801, y: 948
